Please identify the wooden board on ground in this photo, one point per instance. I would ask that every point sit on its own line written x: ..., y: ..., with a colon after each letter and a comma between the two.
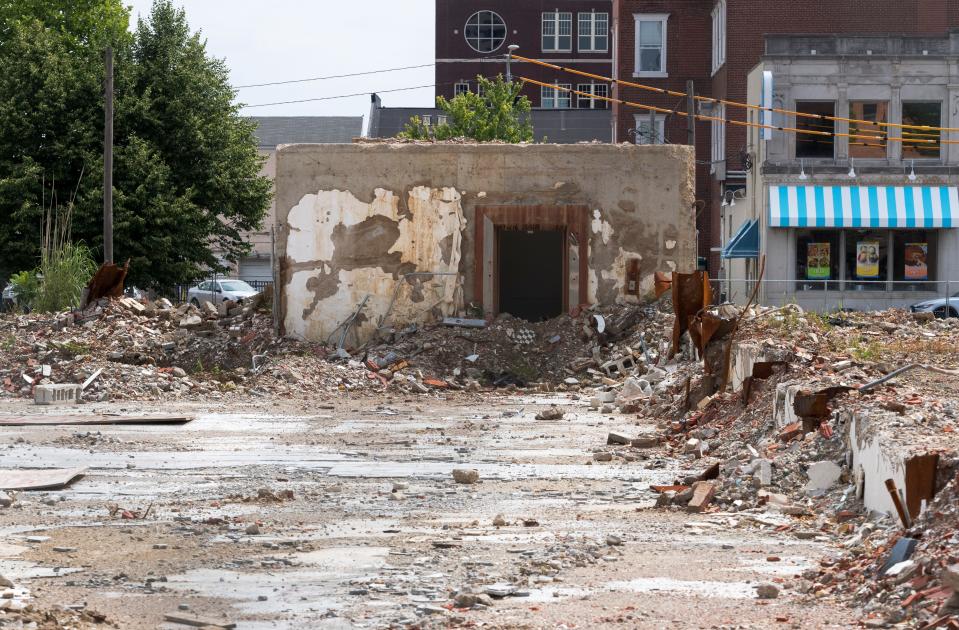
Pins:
x: 23, y: 421
x: 197, y: 622
x: 39, y: 479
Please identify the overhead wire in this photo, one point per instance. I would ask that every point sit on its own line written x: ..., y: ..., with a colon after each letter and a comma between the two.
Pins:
x: 329, y: 98
x: 334, y: 76
x: 739, y: 123
x: 708, y: 99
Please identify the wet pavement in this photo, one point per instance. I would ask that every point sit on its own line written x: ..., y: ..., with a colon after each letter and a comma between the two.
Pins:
x: 375, y: 532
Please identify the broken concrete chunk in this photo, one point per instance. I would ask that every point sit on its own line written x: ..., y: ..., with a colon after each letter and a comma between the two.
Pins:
x: 191, y: 321
x: 822, y: 477
x: 5, y: 583
x: 5, y: 499
x: 650, y: 441
x: 767, y: 591
x: 764, y: 472
x: 499, y: 521
x: 950, y: 576
x: 603, y: 456
x: 553, y: 413
x: 703, y: 493
x: 634, y: 389
x: 465, y: 476
x: 500, y: 590
x: 618, y: 438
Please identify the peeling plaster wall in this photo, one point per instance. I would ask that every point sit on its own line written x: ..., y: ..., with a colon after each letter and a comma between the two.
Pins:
x: 353, y: 219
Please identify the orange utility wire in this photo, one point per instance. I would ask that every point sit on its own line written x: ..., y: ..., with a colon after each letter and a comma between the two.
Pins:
x: 739, y: 123
x: 707, y: 99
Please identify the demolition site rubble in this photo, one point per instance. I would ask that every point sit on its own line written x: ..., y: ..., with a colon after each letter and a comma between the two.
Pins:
x: 523, y: 474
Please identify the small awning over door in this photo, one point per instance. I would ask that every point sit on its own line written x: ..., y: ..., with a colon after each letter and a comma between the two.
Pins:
x: 921, y: 207
x: 745, y: 243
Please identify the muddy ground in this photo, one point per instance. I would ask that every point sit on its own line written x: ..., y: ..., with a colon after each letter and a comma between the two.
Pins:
x: 376, y: 533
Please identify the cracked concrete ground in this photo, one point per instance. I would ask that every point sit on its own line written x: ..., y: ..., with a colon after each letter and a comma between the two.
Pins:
x: 377, y: 534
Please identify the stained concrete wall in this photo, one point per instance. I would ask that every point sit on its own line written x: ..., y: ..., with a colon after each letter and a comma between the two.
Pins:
x: 353, y: 219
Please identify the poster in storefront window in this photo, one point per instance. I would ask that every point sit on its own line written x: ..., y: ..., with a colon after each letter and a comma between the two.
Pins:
x: 916, y: 266
x: 867, y: 259
x: 818, y: 263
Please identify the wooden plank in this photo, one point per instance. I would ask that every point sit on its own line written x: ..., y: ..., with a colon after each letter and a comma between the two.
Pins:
x: 40, y: 479
x: 197, y: 622
x: 23, y: 421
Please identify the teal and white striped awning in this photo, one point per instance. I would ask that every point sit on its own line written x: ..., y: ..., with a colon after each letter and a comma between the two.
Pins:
x: 864, y: 206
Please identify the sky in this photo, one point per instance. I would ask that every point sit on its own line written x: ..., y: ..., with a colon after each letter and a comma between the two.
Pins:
x: 279, y: 40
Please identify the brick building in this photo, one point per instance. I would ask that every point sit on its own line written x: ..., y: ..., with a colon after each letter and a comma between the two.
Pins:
x: 472, y: 38
x: 716, y: 43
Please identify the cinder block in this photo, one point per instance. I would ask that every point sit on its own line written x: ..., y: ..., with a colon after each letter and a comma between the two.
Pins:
x: 56, y: 394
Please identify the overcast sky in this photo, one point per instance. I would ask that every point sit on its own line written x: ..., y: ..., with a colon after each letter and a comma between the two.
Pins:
x: 278, y: 40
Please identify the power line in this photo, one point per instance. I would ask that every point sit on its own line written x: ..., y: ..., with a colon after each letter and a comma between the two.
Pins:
x: 329, y: 98
x: 739, y: 123
x: 708, y: 99
x: 334, y: 76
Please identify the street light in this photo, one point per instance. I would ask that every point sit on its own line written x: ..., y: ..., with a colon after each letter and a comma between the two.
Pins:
x: 509, y: 57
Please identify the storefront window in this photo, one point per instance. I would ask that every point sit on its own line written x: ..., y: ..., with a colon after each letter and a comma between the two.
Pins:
x: 868, y: 139
x: 866, y: 260
x: 817, y: 260
x: 814, y: 145
x: 921, y: 144
x: 913, y: 260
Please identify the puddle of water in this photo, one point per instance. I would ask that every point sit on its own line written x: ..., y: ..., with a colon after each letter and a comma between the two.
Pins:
x: 302, y: 592
x: 347, y: 558
x: 726, y: 590
x: 285, y: 592
x: 787, y: 566
x: 552, y: 594
x: 19, y: 570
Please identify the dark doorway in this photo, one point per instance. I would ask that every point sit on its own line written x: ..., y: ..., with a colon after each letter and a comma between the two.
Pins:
x: 531, y: 273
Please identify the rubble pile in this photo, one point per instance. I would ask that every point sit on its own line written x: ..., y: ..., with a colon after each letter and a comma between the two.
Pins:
x: 125, y: 349
x: 567, y: 352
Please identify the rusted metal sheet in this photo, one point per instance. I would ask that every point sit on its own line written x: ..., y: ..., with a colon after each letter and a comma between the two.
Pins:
x: 691, y: 293
x: 107, y: 282
x: 920, y: 481
x: 49, y: 479
x: 663, y: 283
x: 816, y: 404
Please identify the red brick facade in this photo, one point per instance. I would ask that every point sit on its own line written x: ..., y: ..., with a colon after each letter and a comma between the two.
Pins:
x: 689, y: 56
x: 456, y: 61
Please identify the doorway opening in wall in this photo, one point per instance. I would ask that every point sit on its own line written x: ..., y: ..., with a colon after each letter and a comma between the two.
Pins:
x: 530, y: 266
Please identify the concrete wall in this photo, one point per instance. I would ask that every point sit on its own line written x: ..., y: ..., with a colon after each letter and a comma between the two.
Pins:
x: 353, y: 219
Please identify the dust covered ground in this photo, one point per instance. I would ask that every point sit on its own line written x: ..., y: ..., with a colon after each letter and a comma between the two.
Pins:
x: 328, y: 512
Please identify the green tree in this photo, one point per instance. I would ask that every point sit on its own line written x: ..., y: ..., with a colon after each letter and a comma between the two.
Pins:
x: 186, y: 165
x: 501, y: 113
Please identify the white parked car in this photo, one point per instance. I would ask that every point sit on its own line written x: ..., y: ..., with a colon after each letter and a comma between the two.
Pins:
x: 217, y: 291
x: 940, y: 307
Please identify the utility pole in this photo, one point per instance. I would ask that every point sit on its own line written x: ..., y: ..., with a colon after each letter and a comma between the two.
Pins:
x: 108, y: 157
x: 691, y: 118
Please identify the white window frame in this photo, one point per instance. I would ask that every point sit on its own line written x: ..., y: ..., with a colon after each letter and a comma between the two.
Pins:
x: 491, y: 38
x: 584, y: 102
x: 719, y: 35
x: 663, y: 18
x: 461, y: 87
x: 592, y: 32
x: 718, y: 153
x: 556, y: 19
x: 554, y: 96
x: 643, y: 138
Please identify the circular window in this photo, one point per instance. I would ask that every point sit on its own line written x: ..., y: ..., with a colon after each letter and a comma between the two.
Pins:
x: 485, y: 31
